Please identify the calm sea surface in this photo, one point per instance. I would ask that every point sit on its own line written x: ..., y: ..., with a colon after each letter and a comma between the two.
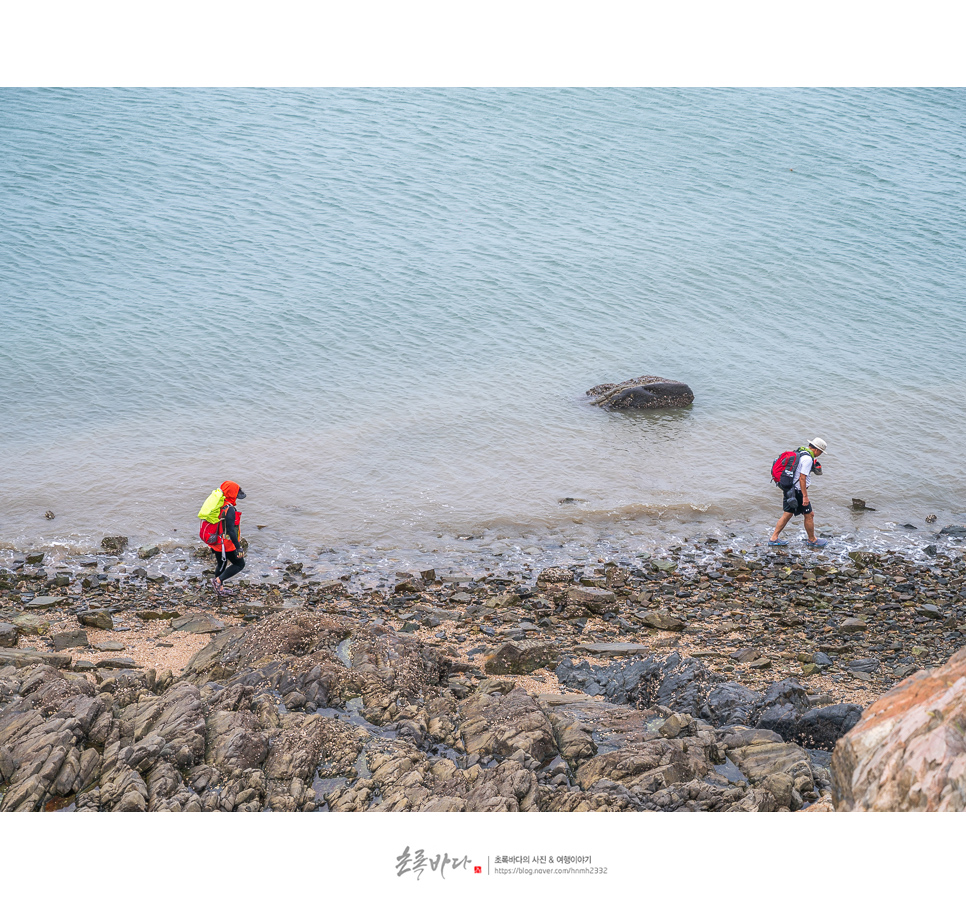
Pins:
x: 378, y: 310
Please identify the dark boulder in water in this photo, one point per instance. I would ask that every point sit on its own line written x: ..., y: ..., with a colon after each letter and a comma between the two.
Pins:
x: 642, y: 393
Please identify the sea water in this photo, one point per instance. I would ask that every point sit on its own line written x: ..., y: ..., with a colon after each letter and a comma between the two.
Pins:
x: 379, y: 310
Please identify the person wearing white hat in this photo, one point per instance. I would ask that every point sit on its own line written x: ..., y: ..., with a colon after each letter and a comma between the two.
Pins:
x: 797, y: 500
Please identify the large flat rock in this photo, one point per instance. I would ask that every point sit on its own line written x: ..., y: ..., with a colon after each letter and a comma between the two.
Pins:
x: 27, y: 657
x: 43, y: 601
x: 613, y: 649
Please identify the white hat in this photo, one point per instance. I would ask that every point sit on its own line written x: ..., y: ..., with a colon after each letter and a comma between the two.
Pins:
x: 818, y: 444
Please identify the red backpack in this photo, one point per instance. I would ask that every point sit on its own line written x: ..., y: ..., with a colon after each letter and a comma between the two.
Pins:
x: 783, y: 468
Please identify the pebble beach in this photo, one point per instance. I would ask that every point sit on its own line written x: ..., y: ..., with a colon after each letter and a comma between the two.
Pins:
x: 788, y: 645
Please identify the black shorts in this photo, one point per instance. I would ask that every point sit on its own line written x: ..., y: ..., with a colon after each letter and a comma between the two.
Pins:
x: 793, y: 503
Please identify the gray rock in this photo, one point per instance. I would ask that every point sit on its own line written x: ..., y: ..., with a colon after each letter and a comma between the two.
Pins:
x: 198, y: 623
x: 74, y: 638
x: 8, y: 635
x: 863, y: 559
x: 521, y: 657
x: 613, y: 649
x: 730, y: 703
x: 117, y: 663
x: 646, y: 392
x: 502, y: 725
x: 96, y: 619
x: 676, y: 724
x: 596, y: 600
x: 109, y: 647
x: 853, y: 625
x: 114, y: 545
x: 158, y: 613
x: 29, y: 624
x: 680, y: 684
x: 502, y: 601
x: 555, y: 575
x: 44, y: 601
x: 35, y: 558
x: 619, y: 683
x: 659, y: 620
x: 760, y: 754
x: 821, y: 728
x: 783, y: 705
x: 863, y: 665
x: 27, y: 658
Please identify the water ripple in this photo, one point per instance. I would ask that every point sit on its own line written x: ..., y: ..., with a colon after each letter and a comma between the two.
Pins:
x: 384, y: 306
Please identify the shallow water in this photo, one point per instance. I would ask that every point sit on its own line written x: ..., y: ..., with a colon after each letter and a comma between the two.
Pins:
x: 378, y: 310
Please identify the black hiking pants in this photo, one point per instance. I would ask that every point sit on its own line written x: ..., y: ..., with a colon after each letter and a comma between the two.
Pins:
x: 231, y: 565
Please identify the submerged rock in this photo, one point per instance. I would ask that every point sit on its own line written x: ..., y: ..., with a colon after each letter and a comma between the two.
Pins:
x: 114, y: 545
x: 642, y: 393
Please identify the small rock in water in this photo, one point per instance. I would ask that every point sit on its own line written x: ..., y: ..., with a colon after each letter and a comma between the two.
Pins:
x: 146, y: 552
x: 859, y: 505
x: 49, y: 515
x: 35, y: 558
x: 114, y: 545
x: 930, y: 519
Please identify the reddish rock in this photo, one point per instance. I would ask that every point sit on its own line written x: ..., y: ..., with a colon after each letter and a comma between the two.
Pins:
x: 908, y: 752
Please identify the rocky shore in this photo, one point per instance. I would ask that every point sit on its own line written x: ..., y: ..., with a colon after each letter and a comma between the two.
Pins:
x: 646, y: 684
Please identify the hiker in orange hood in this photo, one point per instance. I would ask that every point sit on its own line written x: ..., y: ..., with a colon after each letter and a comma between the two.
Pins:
x: 220, y: 521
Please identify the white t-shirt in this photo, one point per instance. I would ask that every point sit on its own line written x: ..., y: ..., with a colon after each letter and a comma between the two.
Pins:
x: 805, y: 463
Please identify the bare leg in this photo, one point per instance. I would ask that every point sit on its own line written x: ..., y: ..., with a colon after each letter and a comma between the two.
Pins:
x: 810, y: 526
x: 782, y: 521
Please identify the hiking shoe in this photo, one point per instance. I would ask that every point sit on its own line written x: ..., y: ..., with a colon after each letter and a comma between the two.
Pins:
x: 778, y: 542
x: 220, y: 589
x: 816, y: 544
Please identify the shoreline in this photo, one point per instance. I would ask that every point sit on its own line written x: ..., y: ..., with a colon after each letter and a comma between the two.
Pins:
x: 506, y: 544
x: 831, y: 635
x: 121, y: 583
